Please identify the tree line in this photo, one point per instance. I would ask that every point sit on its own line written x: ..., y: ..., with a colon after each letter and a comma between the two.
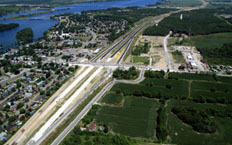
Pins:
x: 198, y: 22
x: 4, y: 27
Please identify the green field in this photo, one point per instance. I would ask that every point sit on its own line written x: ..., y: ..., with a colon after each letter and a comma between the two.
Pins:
x: 112, y: 98
x: 138, y: 59
x: 148, y: 111
x: 137, y: 117
x: 197, y: 22
x: 213, y: 41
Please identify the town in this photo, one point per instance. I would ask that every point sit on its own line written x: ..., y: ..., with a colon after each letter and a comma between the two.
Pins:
x: 92, y: 63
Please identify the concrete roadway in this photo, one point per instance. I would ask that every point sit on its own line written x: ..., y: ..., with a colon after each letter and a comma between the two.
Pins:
x: 91, y: 103
x: 166, y: 51
x: 68, y: 112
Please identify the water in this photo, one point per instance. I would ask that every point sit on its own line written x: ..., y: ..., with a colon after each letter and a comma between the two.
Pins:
x: 42, y: 23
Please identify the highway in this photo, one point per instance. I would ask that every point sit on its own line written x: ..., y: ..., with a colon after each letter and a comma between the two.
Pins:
x: 63, y: 108
x: 127, y: 39
x: 69, y: 111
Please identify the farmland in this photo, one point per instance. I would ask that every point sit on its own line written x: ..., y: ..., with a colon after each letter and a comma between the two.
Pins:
x: 198, y: 22
x: 112, y: 98
x: 209, y: 43
x: 136, y: 118
x: 174, y: 91
x: 164, y: 108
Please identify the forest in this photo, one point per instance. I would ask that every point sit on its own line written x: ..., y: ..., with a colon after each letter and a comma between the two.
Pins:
x: 141, y: 49
x: 4, y: 27
x: 198, y: 22
x: 198, y: 119
x: 130, y: 74
x: 25, y: 35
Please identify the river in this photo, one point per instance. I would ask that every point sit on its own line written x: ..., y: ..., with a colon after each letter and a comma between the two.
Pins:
x: 42, y: 23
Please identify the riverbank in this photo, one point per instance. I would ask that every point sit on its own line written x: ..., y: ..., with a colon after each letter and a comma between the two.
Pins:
x: 43, y: 21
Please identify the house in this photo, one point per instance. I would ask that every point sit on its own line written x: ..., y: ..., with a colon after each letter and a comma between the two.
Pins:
x: 2, y: 136
x: 27, y: 95
x: 82, y: 128
x: 92, y: 126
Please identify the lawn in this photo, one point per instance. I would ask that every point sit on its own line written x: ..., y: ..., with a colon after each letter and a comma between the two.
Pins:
x: 138, y: 59
x: 137, y: 118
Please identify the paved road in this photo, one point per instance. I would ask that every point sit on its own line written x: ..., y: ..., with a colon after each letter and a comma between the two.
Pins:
x: 91, y: 103
x: 166, y: 51
x: 68, y: 112
x: 121, y: 40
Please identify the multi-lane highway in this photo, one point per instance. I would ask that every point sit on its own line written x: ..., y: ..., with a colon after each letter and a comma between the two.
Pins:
x: 121, y: 45
x: 91, y: 103
x: 68, y: 112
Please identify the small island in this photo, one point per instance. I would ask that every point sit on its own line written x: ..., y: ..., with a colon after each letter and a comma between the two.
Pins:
x: 4, y: 27
x: 25, y: 35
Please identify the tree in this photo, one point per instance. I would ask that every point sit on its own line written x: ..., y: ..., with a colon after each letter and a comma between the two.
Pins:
x: 20, y: 104
x: 25, y: 35
x: 12, y: 119
x: 22, y: 111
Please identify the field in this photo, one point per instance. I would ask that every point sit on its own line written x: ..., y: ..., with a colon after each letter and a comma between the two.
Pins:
x: 197, y: 22
x: 112, y: 98
x: 137, y: 59
x: 137, y: 117
x: 213, y: 41
x: 148, y: 112
x: 178, y: 90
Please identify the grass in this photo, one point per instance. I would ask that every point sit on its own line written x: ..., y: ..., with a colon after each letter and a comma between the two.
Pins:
x: 112, y: 98
x: 157, y: 86
x: 212, y: 40
x: 178, y: 58
x: 87, y: 38
x: 204, y: 89
x: 137, y: 118
x: 138, y: 59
